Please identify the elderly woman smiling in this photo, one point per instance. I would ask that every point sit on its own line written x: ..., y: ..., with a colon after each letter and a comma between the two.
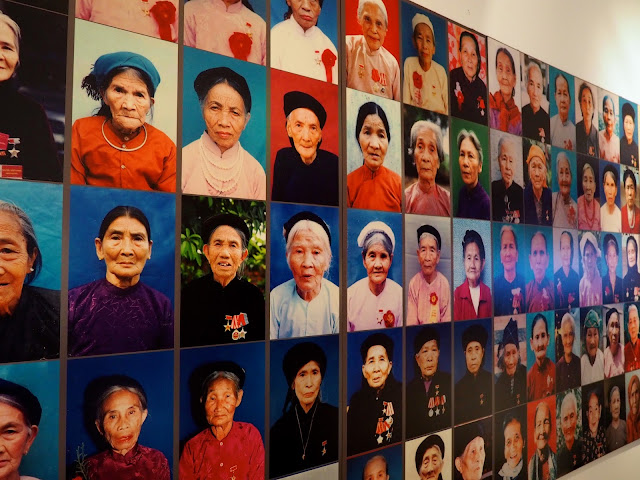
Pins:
x: 119, y: 313
x: 610, y: 215
x: 30, y: 316
x: 121, y: 409
x: 216, y: 164
x: 375, y: 301
x: 308, y: 304
x: 608, y: 141
x: 117, y: 147
x: 373, y: 186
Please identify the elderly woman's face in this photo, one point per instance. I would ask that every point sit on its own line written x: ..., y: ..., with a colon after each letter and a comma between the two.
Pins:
x: 473, y: 264
x: 125, y: 249
x: 513, y: 443
x: 15, y: 262
x: 538, y: 257
x: 593, y: 413
x: 376, y: 367
x: 374, y: 26
x: 631, y: 254
x: 511, y: 359
x: 592, y: 341
x: 305, y: 12
x: 427, y: 359
x: 629, y: 126
x: 613, y: 332
x: 306, y: 385
x: 609, y: 115
x: 129, y: 101
x: 469, y: 161
x: 508, y: 251
x: 534, y: 88
x: 469, y: 57
x: 589, y: 260
x: 567, y: 336
x: 8, y: 52
x: 473, y: 355
x: 586, y: 104
x: 564, y: 177
x: 471, y: 463
x: 610, y: 189
x: 308, y: 261
x: 303, y: 127
x: 224, y: 253
x: 16, y: 438
x: 614, y: 405
x: 565, y: 250
x: 633, y: 323
x: 374, y: 141
x: 224, y: 114
x: 122, y: 419
x: 588, y: 184
x: 630, y: 192
x: 425, y: 155
x: 611, y: 258
x: 507, y: 161
x: 568, y: 421
x: 537, y: 173
x: 221, y: 402
x: 432, y: 464
x: 563, y: 97
x: 423, y: 42
x: 542, y: 425
x: 377, y: 262
x: 634, y: 397
x: 505, y: 75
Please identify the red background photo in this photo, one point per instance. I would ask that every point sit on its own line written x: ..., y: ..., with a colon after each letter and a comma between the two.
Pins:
x: 531, y: 427
x: 392, y: 40
x: 453, y: 37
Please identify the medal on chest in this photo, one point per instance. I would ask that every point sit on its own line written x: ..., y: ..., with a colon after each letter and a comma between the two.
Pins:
x: 434, y: 312
x: 232, y: 472
x: 9, y: 150
x: 384, y: 427
x: 379, y: 81
x: 144, y: 7
x: 437, y: 403
x: 386, y: 319
x: 235, y: 325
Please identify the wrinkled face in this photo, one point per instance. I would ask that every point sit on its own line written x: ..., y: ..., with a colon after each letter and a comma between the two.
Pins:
x: 377, y: 262
x: 542, y: 426
x: 631, y: 254
x: 129, y: 101
x: 221, y: 402
x: 568, y: 336
x: 224, y: 114
x: 15, y: 262
x: 373, y: 141
x: 305, y: 12
x: 568, y: 421
x: 511, y: 359
x: 306, y: 385
x: 377, y: 367
x: 629, y: 126
x: 122, y: 419
x: 513, y: 443
x: 125, y: 249
x: 593, y: 413
x: 425, y: 154
x: 564, y: 177
x: 469, y: 160
x: 611, y: 258
x: 588, y: 184
x: 8, y: 52
x: 586, y: 104
x: 308, y: 260
x: 471, y: 463
x: 374, y: 26
x: 469, y: 57
x: 508, y: 251
x: 565, y: 250
x: 592, y: 339
x: 634, y: 397
x: 16, y: 439
x: 537, y: 172
x: 539, y: 340
x: 423, y: 42
x: 225, y: 253
x: 473, y: 264
x: 633, y: 323
x: 614, y: 405
x: 609, y: 115
x: 429, y: 255
x: 538, y: 258
x: 473, y: 354
x: 630, y: 192
x: 610, y: 190
x: 563, y: 97
x: 427, y: 359
x: 432, y: 464
x: 375, y: 469
x: 534, y: 88
x: 505, y: 75
x: 507, y: 161
x: 303, y: 127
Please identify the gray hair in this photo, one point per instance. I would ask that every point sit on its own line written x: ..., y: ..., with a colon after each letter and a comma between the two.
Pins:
x: 584, y: 170
x: 372, y: 459
x: 15, y: 28
x: 314, y: 228
x: 29, y: 235
x: 502, y: 141
x: 615, y: 389
x: 375, y: 238
x: 377, y: 3
x: 563, y: 156
x: 217, y: 375
x: 428, y: 235
x: 569, y: 398
x: 634, y: 307
x: 533, y: 64
x: 426, y: 125
x: 117, y: 388
x: 567, y: 318
x: 471, y: 135
x: 509, y: 228
x: 243, y: 240
x: 9, y: 400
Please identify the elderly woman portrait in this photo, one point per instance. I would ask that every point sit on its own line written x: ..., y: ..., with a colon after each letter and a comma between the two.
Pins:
x: 631, y: 281
x: 563, y: 130
x: 608, y: 140
x: 467, y: 91
x: 426, y: 151
x: 616, y: 432
x: 237, y: 443
x: 472, y: 299
x: 429, y: 458
x: 632, y: 347
x: 570, y: 451
x: 613, y: 353
x: 591, y: 282
x: 594, y: 438
x: 509, y: 287
x: 586, y: 130
x: 535, y: 120
x: 376, y: 300
x: 234, y: 308
x: 371, y: 68
x: 374, y: 415
x: 425, y: 80
x: 539, y: 292
x: 473, y: 200
x: 565, y: 208
x: 117, y: 147
x: 633, y: 417
x: 568, y: 363
x: 504, y: 112
x: 630, y: 212
x: 120, y: 411
x: 308, y: 304
x: 511, y: 384
x: 611, y: 282
x: 471, y: 442
x: 28, y: 150
x: 514, y: 433
x: 610, y: 215
x: 543, y: 463
x: 227, y: 27
x: 628, y: 145
x: 592, y: 361
x: 119, y: 313
x: 565, y: 278
x: 473, y: 389
x: 306, y: 435
x: 538, y: 203
x: 507, y: 193
x: 299, y: 46
x: 216, y: 164
x: 541, y: 377
x: 303, y: 173
x: 588, y: 202
x: 372, y: 185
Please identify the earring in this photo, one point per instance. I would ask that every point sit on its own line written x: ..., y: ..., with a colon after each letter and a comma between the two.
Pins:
x: 31, y: 269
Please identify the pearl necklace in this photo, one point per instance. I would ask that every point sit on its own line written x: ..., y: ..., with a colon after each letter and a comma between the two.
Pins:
x: 221, y: 175
x: 124, y: 149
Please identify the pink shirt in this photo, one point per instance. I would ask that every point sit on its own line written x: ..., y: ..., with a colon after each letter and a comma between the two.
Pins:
x: 437, y: 202
x: 372, y: 72
x: 423, y: 297
x: 588, y: 216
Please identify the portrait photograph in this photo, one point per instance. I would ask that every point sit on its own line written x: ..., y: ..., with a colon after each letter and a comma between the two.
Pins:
x: 562, y: 109
x: 588, y: 193
x: 304, y: 385
x: 586, y: 104
x: 473, y: 445
x: 474, y: 271
x: 592, y: 359
x: 611, y: 268
x: 566, y: 266
x: 541, y: 376
x: 510, y: 361
x: 593, y: 421
x: 615, y: 413
x: 32, y: 136
x: 632, y: 401
x: 429, y: 457
x: 222, y: 259
x: 218, y: 158
x: 467, y: 74
x: 509, y: 266
x: 102, y: 390
x: 510, y: 429
x: 428, y: 357
x: 374, y: 390
x: 424, y: 59
x: 30, y: 253
x: 235, y: 30
x: 631, y: 278
x: 304, y: 140
x: 613, y: 326
x: 427, y: 167
x: 507, y: 179
x: 537, y: 178
x: 384, y: 464
x: 374, y: 152
x: 428, y: 263
x: 539, y: 290
x: 541, y: 438
x: 373, y: 47
x: 305, y: 297
x: 628, y: 133
x: 610, y: 214
x: 534, y: 84
x: 505, y: 113
x: 30, y: 395
x: 471, y: 173
x: 608, y: 126
x: 374, y: 293
x: 569, y: 430
x: 564, y: 196
x: 630, y: 337
x: 568, y: 349
x: 630, y: 211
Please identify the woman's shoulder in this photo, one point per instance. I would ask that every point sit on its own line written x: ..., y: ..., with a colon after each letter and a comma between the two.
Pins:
x: 88, y: 123
x: 81, y: 291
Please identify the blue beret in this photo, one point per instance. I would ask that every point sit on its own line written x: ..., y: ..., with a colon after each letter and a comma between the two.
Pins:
x: 109, y: 61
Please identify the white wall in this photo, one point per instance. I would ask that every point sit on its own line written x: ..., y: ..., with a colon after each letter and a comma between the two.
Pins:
x: 597, y: 44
